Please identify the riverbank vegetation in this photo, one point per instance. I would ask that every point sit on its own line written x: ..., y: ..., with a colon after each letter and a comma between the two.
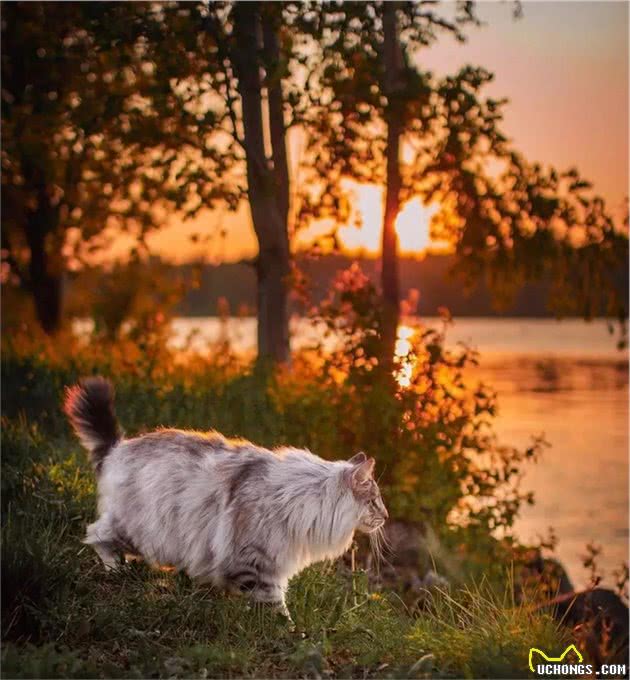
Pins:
x: 63, y: 616
x: 441, y: 467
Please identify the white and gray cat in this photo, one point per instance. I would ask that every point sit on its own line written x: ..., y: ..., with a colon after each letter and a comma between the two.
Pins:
x: 225, y: 511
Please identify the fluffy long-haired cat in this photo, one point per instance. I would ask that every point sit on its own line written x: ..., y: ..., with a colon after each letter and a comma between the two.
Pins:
x: 224, y: 511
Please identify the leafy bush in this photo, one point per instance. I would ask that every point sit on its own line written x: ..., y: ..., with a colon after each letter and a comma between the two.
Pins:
x: 428, y: 427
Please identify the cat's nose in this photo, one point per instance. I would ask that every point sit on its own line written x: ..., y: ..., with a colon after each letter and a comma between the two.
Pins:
x: 385, y: 513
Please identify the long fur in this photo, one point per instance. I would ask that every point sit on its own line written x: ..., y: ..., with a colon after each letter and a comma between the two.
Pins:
x: 225, y: 511
x: 90, y: 409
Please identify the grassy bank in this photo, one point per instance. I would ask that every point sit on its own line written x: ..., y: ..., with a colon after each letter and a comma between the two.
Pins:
x: 63, y: 616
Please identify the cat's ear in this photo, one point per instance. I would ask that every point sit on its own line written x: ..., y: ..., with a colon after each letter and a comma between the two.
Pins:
x: 358, y: 458
x: 361, y: 474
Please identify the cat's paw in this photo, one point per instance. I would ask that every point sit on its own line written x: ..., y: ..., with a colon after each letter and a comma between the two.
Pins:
x: 292, y: 629
x: 283, y: 616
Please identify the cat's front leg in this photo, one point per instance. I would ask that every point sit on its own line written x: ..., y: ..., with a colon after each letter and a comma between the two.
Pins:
x: 273, y: 595
x: 283, y: 610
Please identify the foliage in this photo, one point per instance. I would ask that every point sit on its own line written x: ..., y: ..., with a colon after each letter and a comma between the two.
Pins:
x: 510, y: 221
x: 63, y: 126
x: 439, y: 458
x: 93, y: 134
x: 134, y: 298
x: 113, y: 114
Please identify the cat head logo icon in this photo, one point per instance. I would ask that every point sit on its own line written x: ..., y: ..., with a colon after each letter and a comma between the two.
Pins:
x: 553, y: 659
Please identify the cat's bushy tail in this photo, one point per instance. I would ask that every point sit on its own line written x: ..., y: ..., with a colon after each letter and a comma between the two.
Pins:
x: 90, y: 409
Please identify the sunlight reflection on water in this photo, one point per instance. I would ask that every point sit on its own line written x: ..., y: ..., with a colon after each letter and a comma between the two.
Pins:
x: 402, y: 349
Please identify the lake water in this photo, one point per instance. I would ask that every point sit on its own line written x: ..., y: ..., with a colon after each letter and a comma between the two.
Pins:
x: 564, y: 379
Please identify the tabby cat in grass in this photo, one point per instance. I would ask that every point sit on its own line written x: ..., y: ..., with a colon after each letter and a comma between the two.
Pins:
x: 225, y: 511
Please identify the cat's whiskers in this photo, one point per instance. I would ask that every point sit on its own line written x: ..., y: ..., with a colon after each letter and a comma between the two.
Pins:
x: 376, y: 547
x: 379, y: 547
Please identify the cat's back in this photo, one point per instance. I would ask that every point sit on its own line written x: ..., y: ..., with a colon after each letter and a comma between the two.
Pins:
x: 172, y: 449
x: 177, y: 467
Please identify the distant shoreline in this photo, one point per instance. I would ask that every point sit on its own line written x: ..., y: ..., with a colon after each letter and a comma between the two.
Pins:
x: 431, y: 277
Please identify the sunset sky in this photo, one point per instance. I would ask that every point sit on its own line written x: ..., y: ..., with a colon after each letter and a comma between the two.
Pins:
x: 564, y: 67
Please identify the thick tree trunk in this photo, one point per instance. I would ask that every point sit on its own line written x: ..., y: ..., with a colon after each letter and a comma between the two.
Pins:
x: 268, y: 206
x: 277, y: 130
x: 393, y: 74
x: 267, y: 182
x: 45, y: 272
x: 273, y: 328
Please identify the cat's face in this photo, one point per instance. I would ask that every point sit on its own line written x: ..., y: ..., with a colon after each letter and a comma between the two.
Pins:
x: 373, y: 512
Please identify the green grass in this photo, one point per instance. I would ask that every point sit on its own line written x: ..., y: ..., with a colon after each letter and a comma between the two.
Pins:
x: 63, y: 616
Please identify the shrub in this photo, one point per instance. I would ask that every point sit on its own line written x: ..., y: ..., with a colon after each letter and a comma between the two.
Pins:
x: 428, y: 427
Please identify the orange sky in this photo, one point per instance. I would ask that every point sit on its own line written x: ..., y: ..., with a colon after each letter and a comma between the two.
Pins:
x: 564, y: 67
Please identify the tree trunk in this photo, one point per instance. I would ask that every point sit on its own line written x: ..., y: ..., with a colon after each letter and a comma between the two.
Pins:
x: 277, y: 130
x: 265, y: 193
x: 393, y: 73
x: 45, y: 272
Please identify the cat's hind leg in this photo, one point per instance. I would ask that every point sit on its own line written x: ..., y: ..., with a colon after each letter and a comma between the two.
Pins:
x: 102, y: 537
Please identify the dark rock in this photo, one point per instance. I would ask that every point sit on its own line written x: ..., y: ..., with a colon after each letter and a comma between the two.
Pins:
x: 549, y: 571
x: 412, y: 561
x: 599, y: 618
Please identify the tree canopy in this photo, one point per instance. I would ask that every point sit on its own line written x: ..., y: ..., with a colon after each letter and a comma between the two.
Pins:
x: 93, y: 134
x: 509, y: 220
x: 117, y: 113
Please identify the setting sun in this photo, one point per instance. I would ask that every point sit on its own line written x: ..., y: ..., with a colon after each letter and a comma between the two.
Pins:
x: 413, y: 228
x: 412, y: 225
x: 362, y: 233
